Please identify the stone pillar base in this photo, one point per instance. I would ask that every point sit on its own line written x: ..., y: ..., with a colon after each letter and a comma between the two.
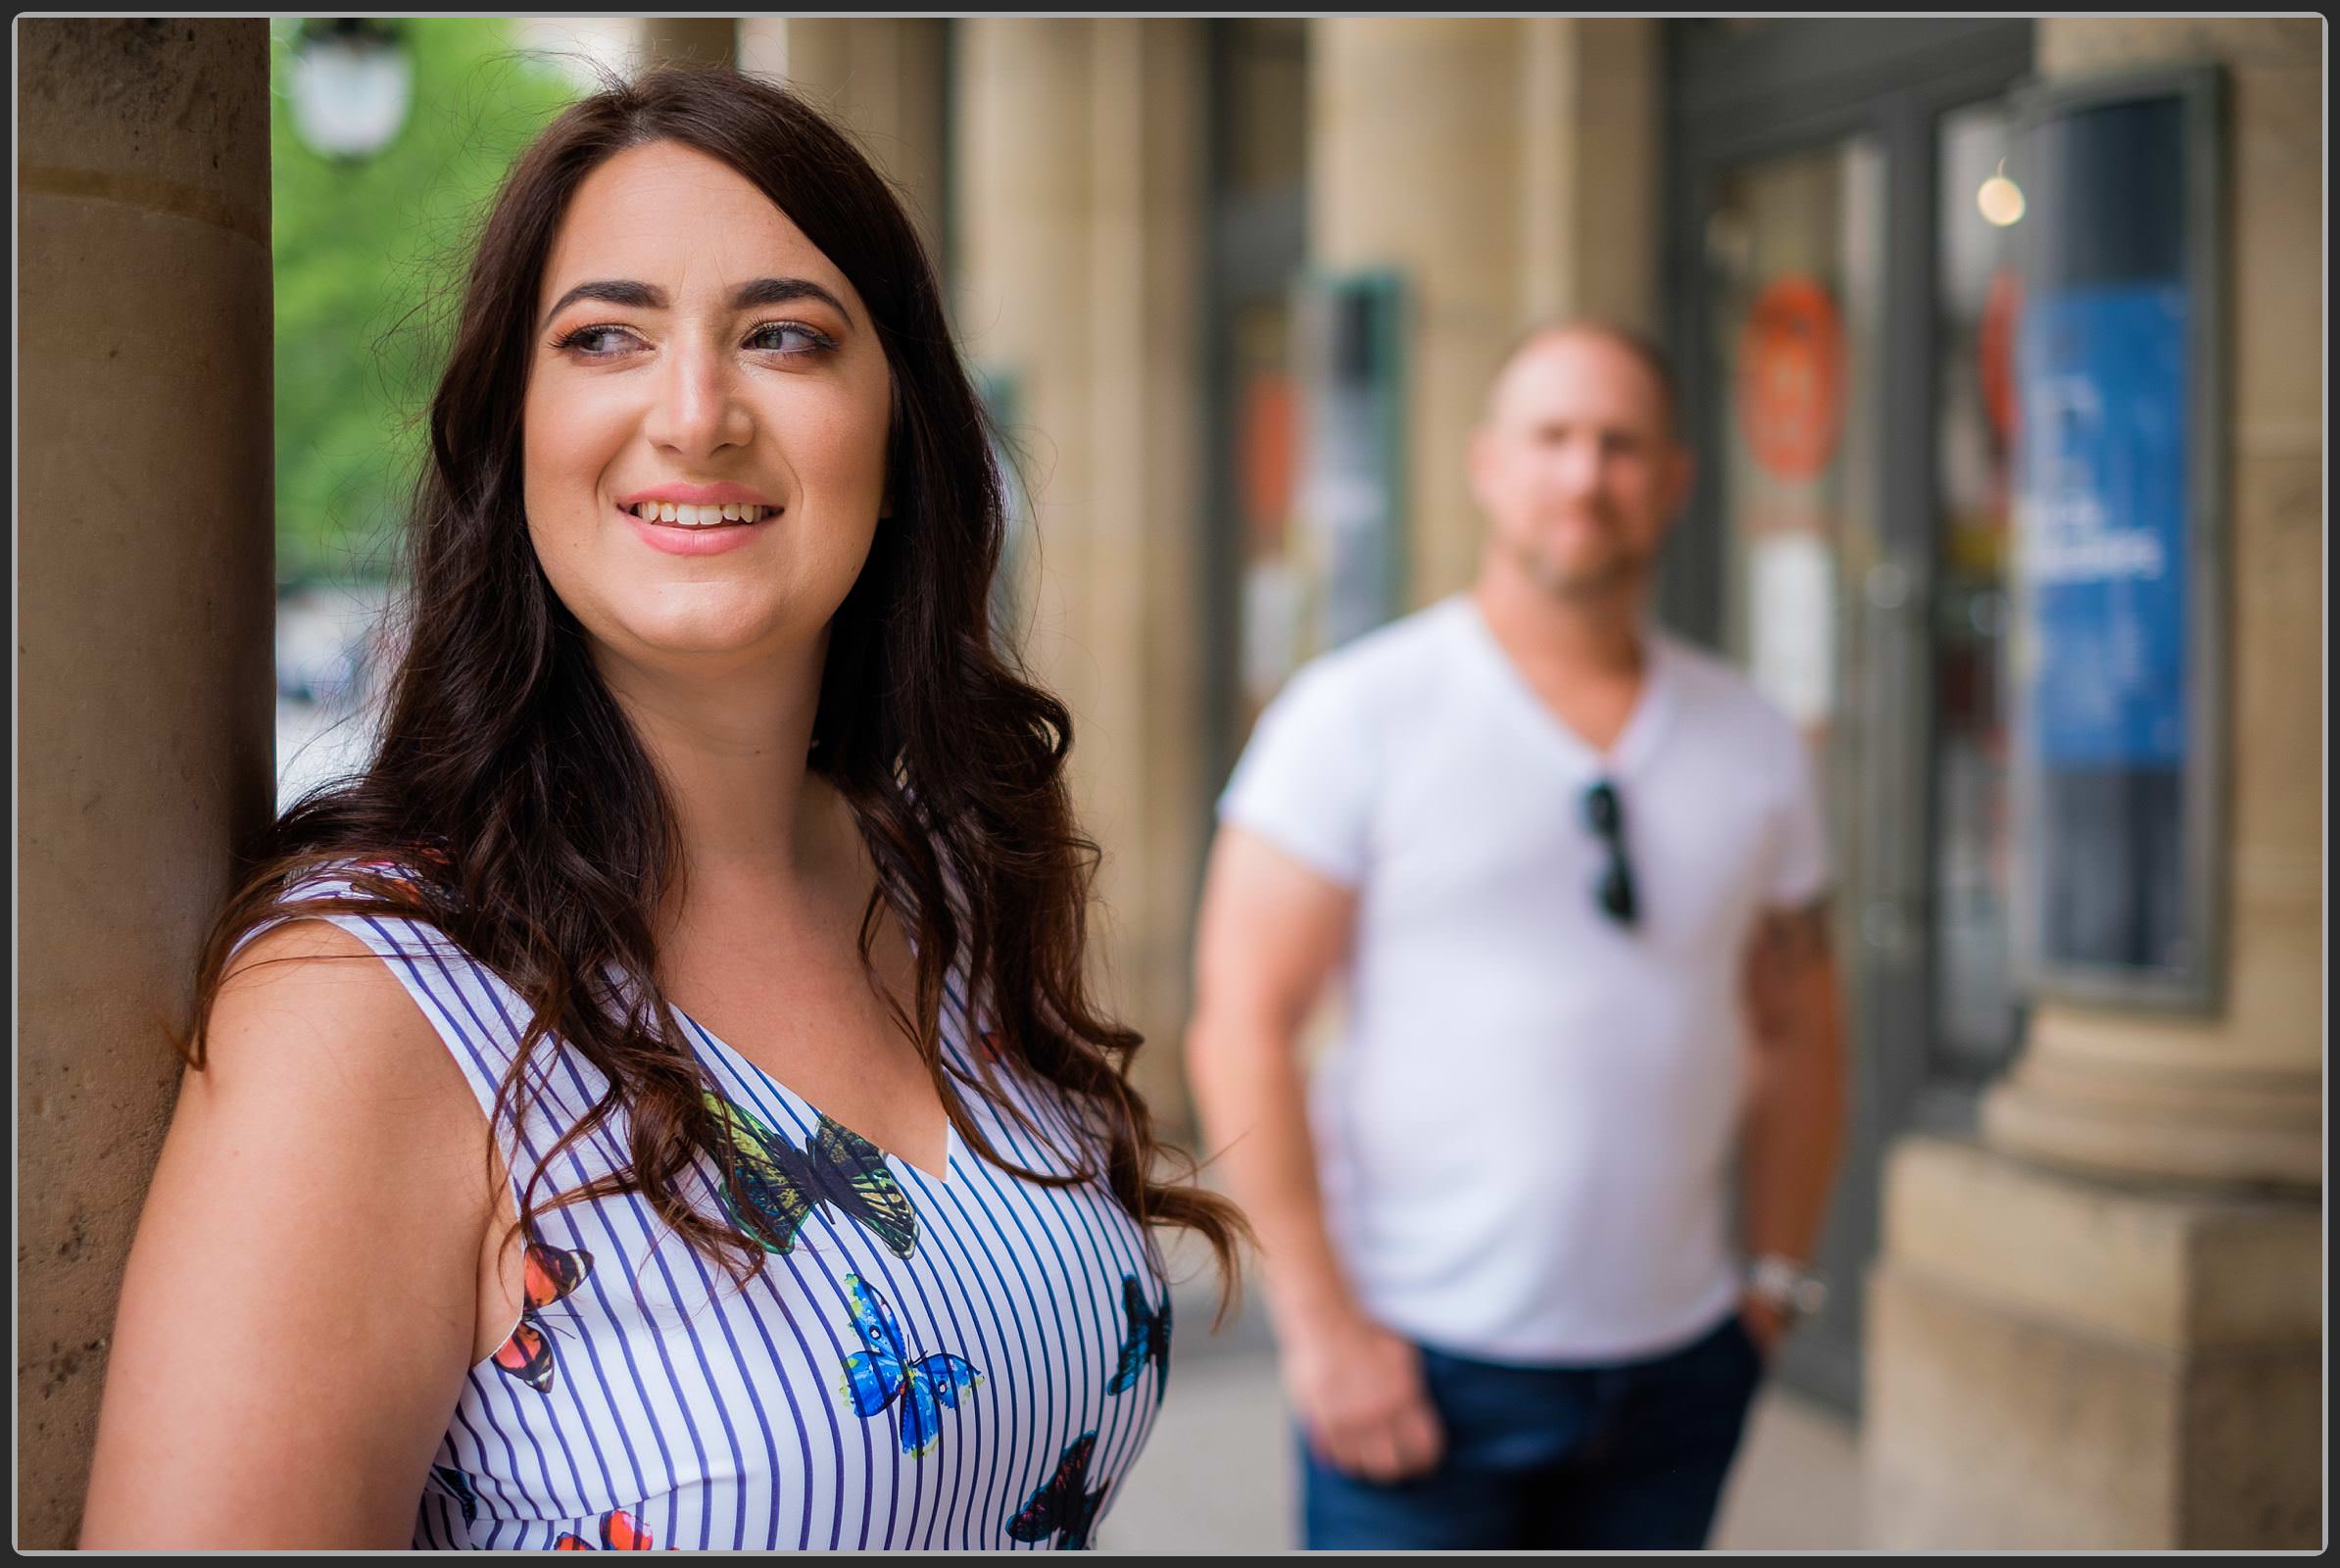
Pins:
x: 2061, y: 1362
x: 2204, y: 1122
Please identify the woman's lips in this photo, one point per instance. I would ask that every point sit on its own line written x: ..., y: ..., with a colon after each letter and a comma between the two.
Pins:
x: 676, y: 539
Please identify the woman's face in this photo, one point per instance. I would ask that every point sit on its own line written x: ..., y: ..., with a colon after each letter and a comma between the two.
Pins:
x: 705, y: 427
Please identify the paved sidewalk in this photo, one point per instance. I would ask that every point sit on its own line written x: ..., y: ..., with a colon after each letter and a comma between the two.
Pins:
x: 1218, y: 1475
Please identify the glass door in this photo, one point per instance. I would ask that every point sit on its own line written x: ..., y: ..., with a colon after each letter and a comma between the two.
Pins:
x: 1977, y: 1018
x: 1793, y: 301
x: 1794, y: 247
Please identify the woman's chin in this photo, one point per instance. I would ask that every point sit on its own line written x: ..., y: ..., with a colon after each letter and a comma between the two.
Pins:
x: 722, y: 632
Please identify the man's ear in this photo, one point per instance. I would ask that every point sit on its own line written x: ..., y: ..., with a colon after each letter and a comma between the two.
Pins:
x: 1681, y: 471
x: 1477, y: 456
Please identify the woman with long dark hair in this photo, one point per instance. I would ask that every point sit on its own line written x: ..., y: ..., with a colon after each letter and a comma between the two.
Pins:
x: 714, y: 854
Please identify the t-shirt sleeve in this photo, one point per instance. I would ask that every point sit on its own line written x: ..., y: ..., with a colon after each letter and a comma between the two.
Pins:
x: 1305, y: 780
x: 1800, y: 870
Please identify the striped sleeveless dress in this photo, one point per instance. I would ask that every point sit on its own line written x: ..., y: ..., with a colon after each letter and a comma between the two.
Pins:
x: 969, y: 1360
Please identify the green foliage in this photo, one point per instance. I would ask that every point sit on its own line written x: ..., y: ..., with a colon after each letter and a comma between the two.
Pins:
x: 369, y: 264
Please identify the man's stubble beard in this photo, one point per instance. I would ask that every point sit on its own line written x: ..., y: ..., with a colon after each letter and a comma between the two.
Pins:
x: 1624, y: 572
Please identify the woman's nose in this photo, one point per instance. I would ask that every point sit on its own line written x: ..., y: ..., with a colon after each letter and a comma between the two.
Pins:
x: 696, y: 409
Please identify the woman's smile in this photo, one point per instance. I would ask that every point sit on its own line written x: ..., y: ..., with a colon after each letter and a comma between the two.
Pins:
x: 697, y: 519
x: 707, y: 530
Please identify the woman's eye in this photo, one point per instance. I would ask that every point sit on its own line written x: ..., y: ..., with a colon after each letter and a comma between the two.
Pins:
x: 788, y: 337
x: 595, y: 340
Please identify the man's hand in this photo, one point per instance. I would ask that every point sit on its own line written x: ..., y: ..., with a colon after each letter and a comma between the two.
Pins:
x: 1358, y: 1391
x: 1764, y: 1324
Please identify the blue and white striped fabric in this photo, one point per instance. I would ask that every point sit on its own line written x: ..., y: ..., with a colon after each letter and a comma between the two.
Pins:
x: 646, y: 1400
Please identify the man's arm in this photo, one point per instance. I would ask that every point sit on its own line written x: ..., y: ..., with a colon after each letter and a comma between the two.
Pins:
x: 1795, y: 1116
x: 1271, y: 933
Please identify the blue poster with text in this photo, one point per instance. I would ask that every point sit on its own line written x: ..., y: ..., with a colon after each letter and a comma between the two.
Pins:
x: 2102, y: 372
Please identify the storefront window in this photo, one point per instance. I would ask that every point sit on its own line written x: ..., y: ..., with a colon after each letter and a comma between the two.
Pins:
x: 1976, y: 1014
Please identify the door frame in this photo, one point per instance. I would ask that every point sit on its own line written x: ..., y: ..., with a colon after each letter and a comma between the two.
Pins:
x: 1253, y: 247
x: 1735, y: 97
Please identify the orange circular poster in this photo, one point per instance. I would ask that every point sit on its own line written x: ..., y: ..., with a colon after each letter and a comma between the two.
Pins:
x: 1994, y: 349
x: 1790, y: 391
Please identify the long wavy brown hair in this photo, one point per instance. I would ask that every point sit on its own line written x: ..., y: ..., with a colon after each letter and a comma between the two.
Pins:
x: 528, y: 822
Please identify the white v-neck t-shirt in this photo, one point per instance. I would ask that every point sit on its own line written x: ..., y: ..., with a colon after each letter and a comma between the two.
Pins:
x: 1527, y: 1129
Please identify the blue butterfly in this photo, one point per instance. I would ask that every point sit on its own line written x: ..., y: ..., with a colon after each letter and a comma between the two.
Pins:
x: 1148, y: 1340
x: 878, y: 1376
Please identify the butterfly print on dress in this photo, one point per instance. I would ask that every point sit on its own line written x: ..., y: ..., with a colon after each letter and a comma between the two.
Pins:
x: 550, y: 1273
x: 885, y: 1372
x: 1063, y: 1506
x: 620, y: 1531
x: 1148, y: 1340
x: 459, y: 1486
x: 785, y: 1184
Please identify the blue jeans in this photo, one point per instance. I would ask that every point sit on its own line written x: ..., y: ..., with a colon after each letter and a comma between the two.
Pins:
x: 1623, y: 1456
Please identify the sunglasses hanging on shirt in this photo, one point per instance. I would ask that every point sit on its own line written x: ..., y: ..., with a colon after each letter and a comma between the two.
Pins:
x: 1614, y: 891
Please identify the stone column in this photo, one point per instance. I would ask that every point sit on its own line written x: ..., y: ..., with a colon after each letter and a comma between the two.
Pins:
x: 1080, y: 184
x: 881, y: 77
x: 145, y: 567
x: 1588, y: 198
x: 1507, y: 169
x: 2102, y: 1327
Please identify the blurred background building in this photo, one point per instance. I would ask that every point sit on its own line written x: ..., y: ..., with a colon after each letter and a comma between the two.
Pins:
x: 1234, y: 289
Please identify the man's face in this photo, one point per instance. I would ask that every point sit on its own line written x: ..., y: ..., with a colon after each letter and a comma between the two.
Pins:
x: 1577, y: 466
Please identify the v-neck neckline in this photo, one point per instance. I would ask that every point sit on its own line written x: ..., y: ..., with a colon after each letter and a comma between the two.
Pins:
x: 952, y: 1152
x: 1652, y: 706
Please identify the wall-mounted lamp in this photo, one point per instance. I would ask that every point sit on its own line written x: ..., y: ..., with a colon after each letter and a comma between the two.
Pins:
x: 2000, y: 199
x: 352, y: 83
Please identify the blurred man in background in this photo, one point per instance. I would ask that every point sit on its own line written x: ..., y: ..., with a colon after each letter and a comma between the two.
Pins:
x: 1575, y: 871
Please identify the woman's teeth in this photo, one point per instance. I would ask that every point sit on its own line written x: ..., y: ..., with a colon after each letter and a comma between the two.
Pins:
x: 698, y: 517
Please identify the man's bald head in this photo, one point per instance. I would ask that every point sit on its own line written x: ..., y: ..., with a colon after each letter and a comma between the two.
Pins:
x: 1653, y: 361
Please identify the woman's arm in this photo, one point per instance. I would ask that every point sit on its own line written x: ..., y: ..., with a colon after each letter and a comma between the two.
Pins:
x: 299, y: 1311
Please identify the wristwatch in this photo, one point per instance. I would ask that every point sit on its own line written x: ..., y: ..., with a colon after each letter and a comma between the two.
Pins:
x: 1786, y: 1285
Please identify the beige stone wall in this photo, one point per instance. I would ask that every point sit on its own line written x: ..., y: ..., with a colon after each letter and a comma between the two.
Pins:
x: 1079, y: 182
x: 1508, y: 168
x: 144, y: 323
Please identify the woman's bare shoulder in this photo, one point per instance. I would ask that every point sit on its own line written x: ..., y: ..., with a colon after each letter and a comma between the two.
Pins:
x: 308, y: 1011
x: 322, y: 1185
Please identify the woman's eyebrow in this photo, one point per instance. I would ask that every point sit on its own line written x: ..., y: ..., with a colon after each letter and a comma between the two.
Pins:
x: 781, y: 290
x: 748, y: 296
x: 616, y: 291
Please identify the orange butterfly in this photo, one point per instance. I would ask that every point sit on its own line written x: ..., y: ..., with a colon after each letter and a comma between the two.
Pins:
x: 620, y: 1531
x: 551, y: 1273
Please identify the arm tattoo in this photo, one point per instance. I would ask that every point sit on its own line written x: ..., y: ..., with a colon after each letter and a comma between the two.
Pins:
x: 1796, y: 936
